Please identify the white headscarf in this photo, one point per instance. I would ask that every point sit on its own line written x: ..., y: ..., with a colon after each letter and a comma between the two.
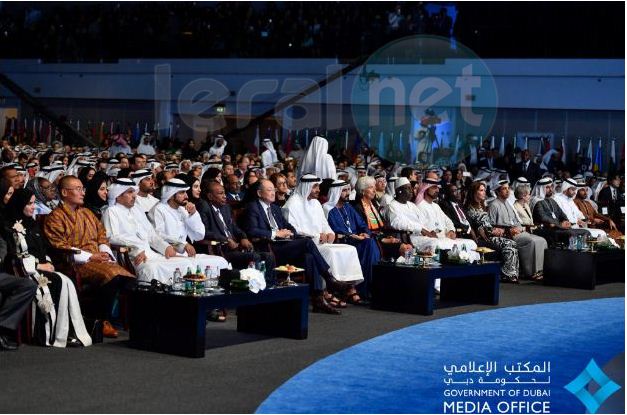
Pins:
x: 316, y: 160
x: 51, y: 172
x: 389, y: 187
x: 216, y: 149
x: 567, y: 184
x: 335, y: 191
x: 172, y: 187
x: 118, y: 187
x: 267, y: 143
x: 538, y: 193
x: 140, y: 175
x: 306, y: 184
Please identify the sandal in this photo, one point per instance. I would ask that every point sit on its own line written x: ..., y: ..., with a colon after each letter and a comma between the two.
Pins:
x: 334, y: 301
x: 353, y: 298
x: 219, y: 316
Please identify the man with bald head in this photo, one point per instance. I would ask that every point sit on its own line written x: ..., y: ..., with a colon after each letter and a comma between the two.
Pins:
x: 265, y: 221
x: 73, y: 227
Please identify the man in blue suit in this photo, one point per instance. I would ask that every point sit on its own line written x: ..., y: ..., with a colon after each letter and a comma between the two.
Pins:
x: 264, y: 220
x: 217, y: 217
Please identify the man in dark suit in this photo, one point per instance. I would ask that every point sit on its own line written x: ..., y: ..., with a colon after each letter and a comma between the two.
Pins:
x: 217, y: 217
x: 264, y: 220
x: 16, y: 294
x: 451, y: 205
x: 233, y: 189
x: 527, y: 168
x: 611, y: 200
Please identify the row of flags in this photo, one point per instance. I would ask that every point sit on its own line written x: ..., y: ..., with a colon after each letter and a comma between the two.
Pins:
x: 39, y: 130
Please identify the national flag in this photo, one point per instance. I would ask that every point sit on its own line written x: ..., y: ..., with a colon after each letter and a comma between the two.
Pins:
x: 589, y: 156
x: 288, y: 143
x: 526, y: 143
x: 356, y: 144
x: 307, y: 137
x: 501, y: 146
x: 492, y: 143
x: 346, y: 140
x: 381, y: 146
x: 455, y: 156
x: 598, y: 159
x: 369, y: 138
x: 563, y: 150
x: 256, y: 141
x: 541, y: 146
x: 578, y: 145
x: 101, y: 132
x: 613, y: 164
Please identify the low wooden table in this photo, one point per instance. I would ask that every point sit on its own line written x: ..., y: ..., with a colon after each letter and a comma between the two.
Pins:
x: 410, y: 289
x: 583, y: 269
x: 175, y: 324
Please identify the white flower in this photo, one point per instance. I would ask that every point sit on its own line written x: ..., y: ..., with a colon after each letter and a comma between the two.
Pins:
x: 19, y: 228
x: 255, y: 278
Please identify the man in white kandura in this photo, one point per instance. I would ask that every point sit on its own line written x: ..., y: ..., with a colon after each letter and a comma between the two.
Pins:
x: 303, y: 211
x: 430, y: 226
x: 145, y: 188
x: 126, y: 224
x: 566, y: 201
x: 268, y: 156
x: 176, y: 220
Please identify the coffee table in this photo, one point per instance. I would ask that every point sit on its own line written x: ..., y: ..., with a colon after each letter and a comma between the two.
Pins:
x: 410, y: 289
x: 175, y: 324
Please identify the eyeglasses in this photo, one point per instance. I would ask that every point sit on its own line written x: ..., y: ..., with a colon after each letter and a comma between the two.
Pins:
x: 76, y: 189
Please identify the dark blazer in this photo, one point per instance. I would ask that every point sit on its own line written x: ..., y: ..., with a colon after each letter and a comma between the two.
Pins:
x: 256, y: 222
x: 533, y: 172
x: 542, y: 213
x: 613, y: 206
x: 213, y: 225
x: 449, y: 210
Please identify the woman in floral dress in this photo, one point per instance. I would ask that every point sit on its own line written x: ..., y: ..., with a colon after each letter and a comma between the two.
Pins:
x: 494, y: 238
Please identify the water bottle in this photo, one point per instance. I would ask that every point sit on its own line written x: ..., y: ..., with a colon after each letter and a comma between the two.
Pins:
x: 177, y: 279
x: 262, y: 267
x: 436, y: 256
x: 408, y: 254
x: 198, y: 270
x: 571, y: 243
x: 579, y: 243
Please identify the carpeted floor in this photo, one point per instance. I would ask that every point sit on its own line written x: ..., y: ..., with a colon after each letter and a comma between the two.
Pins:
x: 236, y: 376
x: 402, y: 372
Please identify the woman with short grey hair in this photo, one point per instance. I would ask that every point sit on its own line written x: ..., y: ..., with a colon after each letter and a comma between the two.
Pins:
x: 363, y: 183
x: 522, y: 193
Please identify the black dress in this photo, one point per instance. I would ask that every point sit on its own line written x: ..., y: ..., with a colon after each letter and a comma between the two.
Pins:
x: 56, y: 312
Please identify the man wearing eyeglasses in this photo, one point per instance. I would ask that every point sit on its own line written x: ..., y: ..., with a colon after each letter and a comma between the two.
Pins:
x: 73, y: 227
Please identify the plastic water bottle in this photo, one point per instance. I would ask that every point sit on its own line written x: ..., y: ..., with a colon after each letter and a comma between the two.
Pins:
x: 579, y: 243
x: 262, y: 267
x: 408, y: 255
x: 436, y: 256
x: 177, y: 279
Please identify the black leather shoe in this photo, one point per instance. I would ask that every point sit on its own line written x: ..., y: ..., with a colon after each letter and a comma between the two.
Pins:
x: 73, y: 342
x: 320, y: 305
x: 6, y: 344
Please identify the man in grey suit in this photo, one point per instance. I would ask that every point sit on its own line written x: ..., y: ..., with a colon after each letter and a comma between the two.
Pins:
x: 546, y: 212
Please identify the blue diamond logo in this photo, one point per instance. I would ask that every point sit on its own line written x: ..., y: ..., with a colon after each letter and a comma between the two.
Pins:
x: 592, y: 372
